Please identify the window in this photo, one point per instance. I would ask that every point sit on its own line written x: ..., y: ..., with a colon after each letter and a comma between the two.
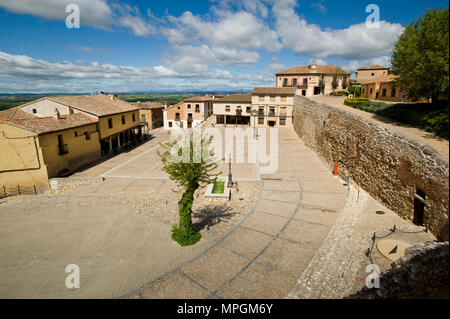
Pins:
x: 63, y: 149
x: 294, y: 82
x: 197, y: 107
x: 260, y: 120
x: 372, y: 74
x: 282, y: 111
x: 134, y: 117
x: 170, y: 124
x: 285, y: 82
x: 227, y: 108
x: 143, y: 117
x: 393, y: 91
x: 248, y: 109
x: 304, y: 92
x: 87, y: 135
x: 363, y: 90
x: 34, y: 111
x: 123, y: 119
x: 282, y: 121
x: 110, y: 125
x: 371, y: 90
x: 177, y: 116
x: 261, y: 111
x: 238, y: 110
x: 272, y: 111
x: 383, y: 93
x: 75, y: 133
x: 261, y: 98
x: 188, y: 106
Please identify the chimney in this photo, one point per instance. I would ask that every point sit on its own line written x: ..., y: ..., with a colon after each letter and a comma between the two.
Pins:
x: 111, y: 96
x: 57, y: 114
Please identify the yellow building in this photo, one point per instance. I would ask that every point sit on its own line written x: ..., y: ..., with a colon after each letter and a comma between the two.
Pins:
x: 384, y: 89
x: 151, y: 113
x: 313, y: 79
x: 370, y: 72
x: 35, y: 149
x: 118, y: 121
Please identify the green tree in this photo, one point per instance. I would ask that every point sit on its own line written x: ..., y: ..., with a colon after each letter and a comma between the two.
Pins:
x: 189, y: 171
x: 421, y: 55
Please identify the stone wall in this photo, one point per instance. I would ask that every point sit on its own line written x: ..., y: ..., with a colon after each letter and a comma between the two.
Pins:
x: 421, y: 273
x: 389, y: 166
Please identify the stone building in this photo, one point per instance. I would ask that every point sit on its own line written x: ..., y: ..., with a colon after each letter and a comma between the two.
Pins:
x: 370, y: 72
x: 384, y: 89
x: 34, y: 149
x: 118, y: 121
x: 151, y: 113
x: 313, y: 79
x: 274, y: 106
x: 189, y: 113
x: 233, y: 109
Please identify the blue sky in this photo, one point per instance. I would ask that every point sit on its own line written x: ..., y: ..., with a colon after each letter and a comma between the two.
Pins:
x: 188, y: 45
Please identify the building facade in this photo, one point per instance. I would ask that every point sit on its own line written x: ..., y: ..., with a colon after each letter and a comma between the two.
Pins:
x: 189, y: 113
x: 35, y: 149
x: 118, y: 121
x: 370, y: 72
x: 313, y: 79
x: 233, y: 109
x: 151, y: 113
x: 383, y: 89
x: 274, y: 106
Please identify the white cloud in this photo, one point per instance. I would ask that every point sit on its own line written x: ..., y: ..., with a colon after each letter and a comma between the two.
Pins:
x: 240, y: 30
x: 94, y: 13
x: 276, y: 64
x: 353, y: 65
x: 354, y: 42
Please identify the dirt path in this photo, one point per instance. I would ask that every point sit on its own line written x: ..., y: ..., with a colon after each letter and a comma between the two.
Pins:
x: 439, y: 144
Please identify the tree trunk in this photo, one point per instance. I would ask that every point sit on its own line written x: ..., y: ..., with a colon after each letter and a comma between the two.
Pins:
x: 185, y: 209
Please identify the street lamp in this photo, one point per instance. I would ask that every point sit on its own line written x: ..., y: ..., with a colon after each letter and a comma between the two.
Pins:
x: 230, y: 177
x: 254, y: 114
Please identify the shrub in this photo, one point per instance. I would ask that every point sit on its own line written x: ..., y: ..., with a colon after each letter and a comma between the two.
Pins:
x: 358, y: 101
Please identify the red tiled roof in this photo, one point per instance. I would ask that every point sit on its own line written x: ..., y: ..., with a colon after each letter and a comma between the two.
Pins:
x: 96, y: 104
x: 148, y: 105
x: 274, y: 90
x: 320, y: 69
x: 382, y: 79
x: 246, y: 98
x: 200, y: 98
x: 373, y: 67
x: 42, y: 125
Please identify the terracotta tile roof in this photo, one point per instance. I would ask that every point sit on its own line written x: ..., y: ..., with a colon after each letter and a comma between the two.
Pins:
x: 245, y: 98
x: 320, y: 69
x: 382, y: 79
x: 14, y: 113
x: 42, y: 125
x: 274, y: 90
x: 148, y: 105
x: 96, y: 104
x: 373, y: 67
x: 200, y: 98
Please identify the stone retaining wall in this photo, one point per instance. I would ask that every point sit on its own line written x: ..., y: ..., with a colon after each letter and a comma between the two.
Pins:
x: 421, y: 273
x: 389, y: 166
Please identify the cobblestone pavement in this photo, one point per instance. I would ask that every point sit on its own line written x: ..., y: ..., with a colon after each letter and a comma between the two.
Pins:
x: 275, y: 231
x: 270, y: 248
x: 439, y: 144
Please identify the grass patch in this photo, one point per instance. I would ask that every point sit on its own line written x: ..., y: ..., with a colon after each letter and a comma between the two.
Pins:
x: 426, y: 116
x: 219, y: 187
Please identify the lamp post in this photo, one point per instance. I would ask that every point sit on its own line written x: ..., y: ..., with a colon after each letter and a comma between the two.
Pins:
x: 254, y: 114
x: 230, y: 176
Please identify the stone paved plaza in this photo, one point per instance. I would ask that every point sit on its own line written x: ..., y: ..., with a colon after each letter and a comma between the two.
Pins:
x: 297, y: 233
